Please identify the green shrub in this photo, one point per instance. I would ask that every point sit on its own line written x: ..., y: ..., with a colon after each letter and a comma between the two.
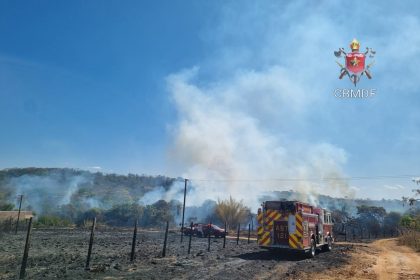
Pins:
x: 6, y: 207
x: 52, y: 221
x: 123, y: 214
x: 410, y: 233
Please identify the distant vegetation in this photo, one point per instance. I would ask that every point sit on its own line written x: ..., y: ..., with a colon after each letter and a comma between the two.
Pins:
x: 153, y: 215
x: 368, y: 222
x: 375, y: 222
x: 47, y: 188
x: 348, y: 204
x: 68, y: 197
x: 52, y: 221
x: 63, y: 196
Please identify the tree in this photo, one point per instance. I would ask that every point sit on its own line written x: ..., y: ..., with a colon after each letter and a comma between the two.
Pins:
x: 232, y: 211
x: 123, y: 214
x: 412, y: 200
x: 157, y: 214
x: 391, y: 223
x: 341, y: 218
x: 411, y: 219
x: 371, y: 218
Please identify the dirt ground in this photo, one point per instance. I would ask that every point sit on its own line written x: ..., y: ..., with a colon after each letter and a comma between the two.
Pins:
x: 61, y: 254
x: 396, y: 262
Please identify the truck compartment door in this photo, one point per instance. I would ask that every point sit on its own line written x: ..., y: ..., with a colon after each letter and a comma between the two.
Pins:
x: 281, y: 233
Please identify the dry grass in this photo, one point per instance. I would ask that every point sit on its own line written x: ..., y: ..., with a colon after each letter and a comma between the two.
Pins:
x: 232, y: 211
x: 411, y: 238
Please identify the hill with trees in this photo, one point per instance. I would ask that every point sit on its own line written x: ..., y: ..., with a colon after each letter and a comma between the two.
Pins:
x: 72, y: 196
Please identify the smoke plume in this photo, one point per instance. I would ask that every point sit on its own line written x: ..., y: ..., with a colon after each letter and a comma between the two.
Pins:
x: 45, y: 194
x: 230, y: 140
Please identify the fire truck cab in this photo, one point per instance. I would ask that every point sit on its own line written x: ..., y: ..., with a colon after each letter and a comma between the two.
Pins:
x: 294, y: 225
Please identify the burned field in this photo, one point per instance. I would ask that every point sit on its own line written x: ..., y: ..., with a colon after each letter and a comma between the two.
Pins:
x: 61, y: 253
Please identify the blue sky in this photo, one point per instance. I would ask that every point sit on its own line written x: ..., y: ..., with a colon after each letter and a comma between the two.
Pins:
x: 227, y: 90
x: 83, y: 84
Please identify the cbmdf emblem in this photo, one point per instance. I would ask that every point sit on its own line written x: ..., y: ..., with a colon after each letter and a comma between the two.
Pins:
x: 355, y: 62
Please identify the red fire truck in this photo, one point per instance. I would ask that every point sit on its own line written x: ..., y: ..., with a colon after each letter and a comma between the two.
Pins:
x: 294, y: 225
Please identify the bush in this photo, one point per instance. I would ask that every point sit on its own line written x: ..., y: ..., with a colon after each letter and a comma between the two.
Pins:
x: 123, y: 214
x: 52, y: 221
x: 6, y: 207
x: 232, y: 211
x: 156, y: 214
x: 410, y: 233
x: 392, y: 223
x: 410, y: 237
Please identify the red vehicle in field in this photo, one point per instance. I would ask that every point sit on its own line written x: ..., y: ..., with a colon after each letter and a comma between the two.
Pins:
x: 203, y: 230
x: 293, y: 225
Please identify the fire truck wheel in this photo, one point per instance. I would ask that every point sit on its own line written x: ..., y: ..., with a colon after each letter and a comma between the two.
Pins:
x: 312, y: 251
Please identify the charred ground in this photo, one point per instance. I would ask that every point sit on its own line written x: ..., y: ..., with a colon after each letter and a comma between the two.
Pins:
x: 62, y: 254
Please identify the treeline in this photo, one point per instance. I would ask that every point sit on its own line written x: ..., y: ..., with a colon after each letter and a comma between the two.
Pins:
x: 374, y: 222
x: 153, y: 215
x: 231, y: 211
x: 124, y: 214
x: 349, y: 204
x: 369, y: 222
x: 46, y: 190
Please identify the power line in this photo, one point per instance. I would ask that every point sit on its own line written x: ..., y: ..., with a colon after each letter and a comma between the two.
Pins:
x: 99, y: 193
x: 377, y: 177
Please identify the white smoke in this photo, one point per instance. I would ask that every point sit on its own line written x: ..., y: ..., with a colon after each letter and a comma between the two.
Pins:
x: 153, y: 196
x: 230, y: 142
x: 46, y: 194
x: 248, y: 117
x: 175, y: 192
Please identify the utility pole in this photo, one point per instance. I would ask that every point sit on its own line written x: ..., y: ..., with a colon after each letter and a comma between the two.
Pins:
x: 183, y: 209
x: 20, y: 206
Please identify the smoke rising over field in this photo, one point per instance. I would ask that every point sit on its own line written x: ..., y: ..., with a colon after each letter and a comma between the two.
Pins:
x: 246, y: 118
x: 46, y: 193
x: 49, y: 190
x: 117, y: 199
x: 231, y: 141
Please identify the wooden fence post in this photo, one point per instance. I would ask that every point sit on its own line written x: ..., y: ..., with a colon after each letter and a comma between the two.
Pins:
x: 237, y: 236
x: 224, y: 237
x: 26, y: 251
x: 209, y: 237
x: 133, y: 245
x: 189, y: 241
x: 165, y: 240
x: 249, y: 232
x: 92, y: 235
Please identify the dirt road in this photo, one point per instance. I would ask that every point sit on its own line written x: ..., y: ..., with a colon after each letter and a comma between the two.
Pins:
x: 382, y: 259
x: 396, y: 262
